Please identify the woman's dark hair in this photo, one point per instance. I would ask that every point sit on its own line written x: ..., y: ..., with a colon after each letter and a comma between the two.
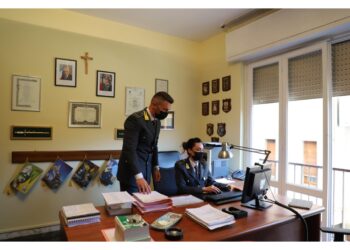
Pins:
x: 190, y: 143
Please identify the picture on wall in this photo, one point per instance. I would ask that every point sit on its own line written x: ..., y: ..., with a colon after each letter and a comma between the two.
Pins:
x: 65, y: 72
x: 56, y: 174
x: 26, y: 93
x: 105, y: 83
x: 84, y: 115
x: 168, y: 122
x: 161, y: 85
x: 26, y: 178
x: 109, y: 174
x: 85, y: 173
x: 134, y: 100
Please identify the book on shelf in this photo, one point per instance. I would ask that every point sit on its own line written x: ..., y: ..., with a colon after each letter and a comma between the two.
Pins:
x: 210, y: 217
x: 117, y: 203
x: 80, y: 214
x: 56, y: 174
x: 131, y: 228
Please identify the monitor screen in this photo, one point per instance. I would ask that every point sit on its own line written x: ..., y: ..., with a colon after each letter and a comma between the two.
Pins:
x: 255, y: 187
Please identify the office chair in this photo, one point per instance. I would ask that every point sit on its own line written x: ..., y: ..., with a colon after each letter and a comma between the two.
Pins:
x: 167, y: 184
x: 338, y: 230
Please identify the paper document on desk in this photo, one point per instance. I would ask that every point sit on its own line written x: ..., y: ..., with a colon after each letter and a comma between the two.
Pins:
x: 184, y: 200
x: 210, y: 217
x: 225, y: 181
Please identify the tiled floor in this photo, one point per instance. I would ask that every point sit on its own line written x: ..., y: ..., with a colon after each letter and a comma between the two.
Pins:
x: 50, y: 236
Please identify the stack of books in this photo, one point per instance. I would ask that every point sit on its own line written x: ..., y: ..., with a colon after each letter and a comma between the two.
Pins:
x: 152, y: 202
x: 118, y: 203
x: 131, y: 228
x: 81, y: 214
x: 210, y: 217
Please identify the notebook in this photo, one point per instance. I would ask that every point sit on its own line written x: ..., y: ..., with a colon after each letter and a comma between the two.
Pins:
x: 300, y: 204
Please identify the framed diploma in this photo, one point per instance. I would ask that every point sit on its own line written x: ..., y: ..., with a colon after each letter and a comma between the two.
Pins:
x: 84, y: 115
x: 134, y: 100
x: 26, y: 93
x: 161, y: 85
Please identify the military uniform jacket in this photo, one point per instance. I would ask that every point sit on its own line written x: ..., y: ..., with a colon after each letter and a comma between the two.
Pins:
x: 140, y: 152
x: 188, y: 182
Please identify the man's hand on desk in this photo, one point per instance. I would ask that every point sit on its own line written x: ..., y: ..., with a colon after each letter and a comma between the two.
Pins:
x: 211, y: 189
x: 143, y: 186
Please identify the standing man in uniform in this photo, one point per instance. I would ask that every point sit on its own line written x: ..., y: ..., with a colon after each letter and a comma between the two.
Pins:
x: 139, y: 156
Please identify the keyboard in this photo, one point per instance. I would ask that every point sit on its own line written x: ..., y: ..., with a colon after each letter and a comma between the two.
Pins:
x: 223, y: 197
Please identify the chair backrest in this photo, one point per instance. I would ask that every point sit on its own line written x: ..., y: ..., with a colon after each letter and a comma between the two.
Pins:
x: 167, y: 159
x: 167, y: 184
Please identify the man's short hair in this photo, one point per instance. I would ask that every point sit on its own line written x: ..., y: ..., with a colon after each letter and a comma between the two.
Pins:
x: 162, y: 96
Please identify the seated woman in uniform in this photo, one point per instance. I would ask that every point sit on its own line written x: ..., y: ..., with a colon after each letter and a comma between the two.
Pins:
x: 193, y: 175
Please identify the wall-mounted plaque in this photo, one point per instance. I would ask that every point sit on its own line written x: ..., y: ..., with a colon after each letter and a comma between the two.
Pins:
x: 84, y: 115
x: 215, y: 107
x: 31, y: 133
x: 226, y: 83
x: 205, y: 88
x: 215, y: 86
x: 205, y: 108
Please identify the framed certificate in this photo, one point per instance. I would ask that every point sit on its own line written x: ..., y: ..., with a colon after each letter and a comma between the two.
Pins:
x: 134, y: 100
x: 161, y: 85
x: 26, y: 93
x: 84, y: 115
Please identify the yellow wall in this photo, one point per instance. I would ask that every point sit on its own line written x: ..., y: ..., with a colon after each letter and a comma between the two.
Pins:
x: 212, y: 66
x: 31, y: 39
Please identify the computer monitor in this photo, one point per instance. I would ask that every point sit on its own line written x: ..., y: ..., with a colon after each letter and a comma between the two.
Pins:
x: 255, y: 187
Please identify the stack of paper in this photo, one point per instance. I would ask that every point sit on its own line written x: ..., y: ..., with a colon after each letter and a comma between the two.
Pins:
x: 185, y: 200
x: 152, y: 202
x: 210, y: 217
x: 131, y: 228
x: 75, y: 215
x: 118, y: 203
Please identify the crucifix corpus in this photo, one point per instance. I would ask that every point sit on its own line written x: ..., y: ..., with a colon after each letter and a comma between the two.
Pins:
x: 86, y: 58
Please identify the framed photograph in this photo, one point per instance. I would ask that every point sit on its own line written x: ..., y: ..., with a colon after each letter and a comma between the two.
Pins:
x: 161, y: 85
x: 105, y: 83
x: 84, y: 115
x: 215, y: 86
x: 168, y: 123
x: 26, y: 93
x: 226, y: 83
x: 215, y: 107
x: 205, y: 108
x: 134, y: 100
x: 205, y: 88
x: 31, y: 133
x: 65, y: 72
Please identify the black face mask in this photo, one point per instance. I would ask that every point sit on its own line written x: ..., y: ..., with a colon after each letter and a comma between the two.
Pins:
x: 161, y: 115
x: 198, y: 156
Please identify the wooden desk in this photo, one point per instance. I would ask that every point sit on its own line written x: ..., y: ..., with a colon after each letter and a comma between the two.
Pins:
x: 272, y: 224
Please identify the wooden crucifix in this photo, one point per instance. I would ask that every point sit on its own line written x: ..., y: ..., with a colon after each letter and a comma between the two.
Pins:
x: 86, y: 58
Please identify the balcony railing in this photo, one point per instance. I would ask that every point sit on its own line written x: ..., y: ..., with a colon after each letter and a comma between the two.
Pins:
x: 311, y: 177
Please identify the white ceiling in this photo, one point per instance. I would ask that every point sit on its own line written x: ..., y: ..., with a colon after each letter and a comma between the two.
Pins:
x: 192, y: 24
